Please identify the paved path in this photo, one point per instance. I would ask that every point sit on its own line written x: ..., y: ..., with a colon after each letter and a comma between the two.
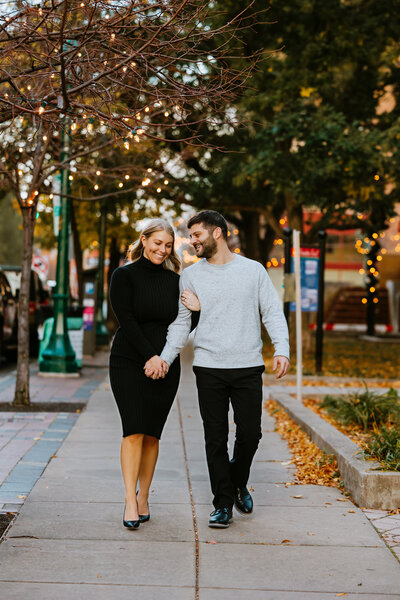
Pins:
x: 68, y: 541
x: 27, y: 439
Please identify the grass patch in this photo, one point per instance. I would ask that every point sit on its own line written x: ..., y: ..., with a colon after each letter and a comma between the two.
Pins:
x: 384, y: 446
x: 370, y: 420
x: 368, y: 410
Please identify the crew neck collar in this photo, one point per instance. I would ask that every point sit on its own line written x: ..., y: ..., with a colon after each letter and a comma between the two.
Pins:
x: 147, y: 264
x: 223, y: 265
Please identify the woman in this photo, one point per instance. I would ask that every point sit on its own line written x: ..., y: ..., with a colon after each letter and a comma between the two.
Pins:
x: 144, y: 295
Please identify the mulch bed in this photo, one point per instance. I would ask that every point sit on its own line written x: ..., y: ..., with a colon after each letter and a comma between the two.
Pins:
x: 5, y: 520
x: 71, y: 407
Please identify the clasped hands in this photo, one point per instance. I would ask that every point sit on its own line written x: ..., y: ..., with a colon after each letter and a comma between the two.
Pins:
x: 156, y: 368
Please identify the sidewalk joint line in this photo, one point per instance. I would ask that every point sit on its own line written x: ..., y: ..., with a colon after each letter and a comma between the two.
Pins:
x: 195, y: 529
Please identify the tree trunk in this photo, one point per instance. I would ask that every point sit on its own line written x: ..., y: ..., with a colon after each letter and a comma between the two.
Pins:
x: 250, y: 235
x: 77, y: 250
x: 294, y: 213
x: 21, y: 396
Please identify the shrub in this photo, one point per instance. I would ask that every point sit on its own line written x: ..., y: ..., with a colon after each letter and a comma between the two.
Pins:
x: 384, y: 446
x: 366, y: 409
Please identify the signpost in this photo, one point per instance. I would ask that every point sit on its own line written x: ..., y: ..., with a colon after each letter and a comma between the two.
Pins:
x: 299, y: 349
x: 308, y: 264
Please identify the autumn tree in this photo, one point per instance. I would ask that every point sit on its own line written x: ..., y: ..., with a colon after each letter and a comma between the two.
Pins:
x: 114, y: 73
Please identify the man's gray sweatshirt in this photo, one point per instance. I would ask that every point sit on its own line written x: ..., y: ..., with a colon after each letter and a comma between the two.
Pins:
x: 233, y: 296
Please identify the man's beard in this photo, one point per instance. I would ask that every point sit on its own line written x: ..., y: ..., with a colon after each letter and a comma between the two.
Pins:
x: 208, y: 248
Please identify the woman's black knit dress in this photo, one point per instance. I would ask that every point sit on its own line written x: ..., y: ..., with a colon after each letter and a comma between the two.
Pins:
x: 144, y: 297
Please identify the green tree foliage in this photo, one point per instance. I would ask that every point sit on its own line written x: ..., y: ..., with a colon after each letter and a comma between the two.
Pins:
x: 320, y: 125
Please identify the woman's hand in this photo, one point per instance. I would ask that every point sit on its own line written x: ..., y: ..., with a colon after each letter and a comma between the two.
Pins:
x: 156, y: 367
x: 190, y: 300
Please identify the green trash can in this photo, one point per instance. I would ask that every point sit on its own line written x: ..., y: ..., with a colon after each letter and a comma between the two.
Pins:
x: 75, y: 332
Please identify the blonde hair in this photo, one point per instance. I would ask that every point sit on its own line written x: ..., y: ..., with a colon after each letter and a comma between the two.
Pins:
x: 135, y: 250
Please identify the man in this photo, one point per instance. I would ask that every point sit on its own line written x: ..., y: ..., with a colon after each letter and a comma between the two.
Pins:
x: 228, y: 363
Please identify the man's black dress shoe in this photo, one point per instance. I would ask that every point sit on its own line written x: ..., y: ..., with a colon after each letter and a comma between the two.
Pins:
x: 130, y: 524
x: 243, y: 501
x: 221, y: 517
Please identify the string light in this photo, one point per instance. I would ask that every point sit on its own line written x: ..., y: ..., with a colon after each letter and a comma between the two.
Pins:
x: 98, y: 172
x: 120, y: 184
x: 96, y: 187
x: 126, y: 177
x: 364, y: 301
x: 158, y: 190
x: 166, y: 182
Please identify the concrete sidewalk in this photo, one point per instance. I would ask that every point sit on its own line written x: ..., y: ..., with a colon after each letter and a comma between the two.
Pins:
x: 301, y: 543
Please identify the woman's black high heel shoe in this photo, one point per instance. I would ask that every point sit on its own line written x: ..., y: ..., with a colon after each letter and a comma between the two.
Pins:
x: 144, y: 518
x: 130, y: 524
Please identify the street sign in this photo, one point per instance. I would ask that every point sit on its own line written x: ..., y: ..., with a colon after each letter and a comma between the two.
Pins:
x: 40, y: 264
x: 309, y: 265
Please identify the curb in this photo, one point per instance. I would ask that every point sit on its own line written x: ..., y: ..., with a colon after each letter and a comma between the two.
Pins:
x: 369, y: 488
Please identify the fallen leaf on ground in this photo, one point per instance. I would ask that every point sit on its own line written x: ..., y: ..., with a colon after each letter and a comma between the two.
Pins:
x: 312, y: 465
x: 251, y: 489
x: 341, y: 500
x: 351, y: 511
x: 297, y: 496
x: 212, y: 542
x: 342, y: 594
x: 285, y: 541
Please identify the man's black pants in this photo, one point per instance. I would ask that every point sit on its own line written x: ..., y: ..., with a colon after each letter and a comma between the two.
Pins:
x: 216, y: 387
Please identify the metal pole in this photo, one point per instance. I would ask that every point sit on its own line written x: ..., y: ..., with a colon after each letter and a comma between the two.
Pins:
x: 58, y: 357
x: 287, y: 232
x: 319, y: 340
x: 102, y: 336
x: 299, y: 352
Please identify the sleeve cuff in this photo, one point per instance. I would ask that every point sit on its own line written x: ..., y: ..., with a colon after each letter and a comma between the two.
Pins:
x: 282, y: 351
x: 168, y: 355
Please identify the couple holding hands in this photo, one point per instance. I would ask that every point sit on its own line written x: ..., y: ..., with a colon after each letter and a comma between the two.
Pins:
x: 223, y: 296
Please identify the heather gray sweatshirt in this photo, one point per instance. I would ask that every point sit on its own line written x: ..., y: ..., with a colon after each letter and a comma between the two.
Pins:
x: 233, y: 296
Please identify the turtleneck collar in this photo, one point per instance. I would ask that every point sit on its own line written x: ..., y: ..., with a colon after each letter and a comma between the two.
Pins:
x: 147, y: 264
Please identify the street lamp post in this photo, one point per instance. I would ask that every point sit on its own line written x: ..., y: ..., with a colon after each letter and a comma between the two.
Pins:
x: 102, y: 336
x: 58, y: 358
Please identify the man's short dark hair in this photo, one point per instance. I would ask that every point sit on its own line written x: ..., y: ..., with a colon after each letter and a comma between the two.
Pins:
x: 210, y: 219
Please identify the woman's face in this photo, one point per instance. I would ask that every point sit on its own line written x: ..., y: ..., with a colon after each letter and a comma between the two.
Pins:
x: 157, y: 247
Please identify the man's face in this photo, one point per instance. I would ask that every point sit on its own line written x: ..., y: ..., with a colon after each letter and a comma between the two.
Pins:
x: 203, y: 241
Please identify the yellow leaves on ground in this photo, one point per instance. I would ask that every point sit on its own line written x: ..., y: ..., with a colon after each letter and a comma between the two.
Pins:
x: 312, y: 465
x: 347, y: 356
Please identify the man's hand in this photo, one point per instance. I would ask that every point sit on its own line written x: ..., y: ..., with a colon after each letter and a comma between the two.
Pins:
x: 282, y: 364
x: 156, y: 368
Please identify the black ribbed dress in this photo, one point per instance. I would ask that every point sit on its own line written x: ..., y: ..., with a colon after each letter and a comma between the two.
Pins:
x: 144, y: 297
